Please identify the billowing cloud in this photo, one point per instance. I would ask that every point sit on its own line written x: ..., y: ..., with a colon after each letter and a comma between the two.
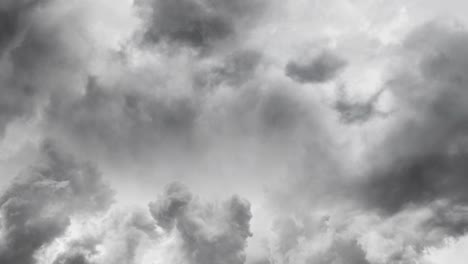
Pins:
x: 198, y: 23
x: 358, y: 112
x: 423, y: 157
x: 211, y: 233
x: 212, y: 93
x: 410, y: 196
x: 43, y: 50
x: 14, y: 16
x: 122, y: 121
x: 37, y: 207
x: 16, y: 99
x: 320, y: 68
x: 120, y: 236
x: 176, y: 227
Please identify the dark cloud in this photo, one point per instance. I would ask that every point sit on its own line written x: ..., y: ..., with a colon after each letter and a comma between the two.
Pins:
x: 321, y: 68
x: 36, y: 208
x: 198, y: 23
x: 358, y: 112
x: 128, y: 125
x: 419, y: 166
x: 342, y: 251
x: 165, y: 211
x: 117, y: 122
x: 211, y: 233
x: 40, y: 52
x: 412, y: 197
x: 280, y: 111
x: 15, y: 98
x: 239, y: 67
x: 13, y: 19
x: 423, y: 158
x: 304, y: 239
x: 289, y: 233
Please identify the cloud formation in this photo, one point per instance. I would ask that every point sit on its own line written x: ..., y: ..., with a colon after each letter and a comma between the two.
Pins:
x: 120, y: 236
x: 358, y: 112
x: 209, y: 92
x: 199, y: 24
x: 321, y: 68
x: 424, y: 156
x: 37, y: 207
x: 410, y: 197
x: 211, y: 233
x: 59, y: 212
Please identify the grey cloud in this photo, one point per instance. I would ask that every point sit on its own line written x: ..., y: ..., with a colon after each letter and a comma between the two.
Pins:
x: 166, y: 210
x: 281, y: 111
x: 198, y: 23
x: 40, y: 52
x: 262, y: 261
x: 421, y: 162
x: 424, y: 156
x: 358, y: 112
x: 235, y: 70
x: 307, y: 240
x: 275, y: 114
x: 79, y: 252
x: 16, y: 99
x: 76, y: 258
x: 289, y: 232
x: 117, y: 122
x: 119, y: 235
x: 413, y: 193
x: 321, y: 68
x: 342, y: 251
x: 36, y: 208
x: 211, y: 233
x: 411, y: 231
x: 13, y: 17
x: 366, y: 236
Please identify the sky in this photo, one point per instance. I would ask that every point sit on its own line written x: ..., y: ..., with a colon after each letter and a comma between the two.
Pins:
x: 233, y: 131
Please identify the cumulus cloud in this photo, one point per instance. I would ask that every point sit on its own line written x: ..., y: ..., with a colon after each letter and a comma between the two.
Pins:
x: 16, y: 99
x: 177, y: 227
x: 37, y: 207
x: 315, y: 240
x: 358, y: 112
x: 410, y: 196
x: 14, y: 15
x: 122, y: 120
x: 136, y: 120
x: 43, y: 51
x: 209, y: 233
x: 424, y: 155
x: 119, y: 236
x: 209, y: 89
x: 58, y: 212
x: 199, y: 24
x: 321, y: 68
x: 239, y: 67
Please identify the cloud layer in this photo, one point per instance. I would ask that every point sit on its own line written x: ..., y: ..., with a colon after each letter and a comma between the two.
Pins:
x: 342, y: 123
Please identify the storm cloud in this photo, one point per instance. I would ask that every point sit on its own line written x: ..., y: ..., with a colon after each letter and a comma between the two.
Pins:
x: 36, y: 208
x: 198, y: 24
x: 211, y: 233
x: 358, y: 112
x: 216, y: 95
x: 321, y: 68
x: 424, y: 156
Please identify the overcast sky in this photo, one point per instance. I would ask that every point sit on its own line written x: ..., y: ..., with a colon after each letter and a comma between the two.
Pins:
x: 233, y: 131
